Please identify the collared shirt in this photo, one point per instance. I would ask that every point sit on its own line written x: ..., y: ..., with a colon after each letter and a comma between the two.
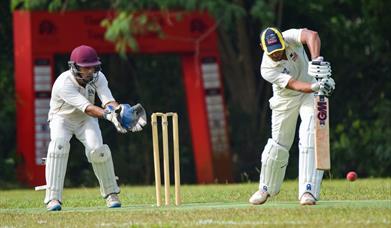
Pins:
x: 296, y: 66
x: 69, y: 99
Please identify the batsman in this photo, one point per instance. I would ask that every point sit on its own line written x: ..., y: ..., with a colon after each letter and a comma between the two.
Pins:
x: 72, y: 112
x: 286, y: 66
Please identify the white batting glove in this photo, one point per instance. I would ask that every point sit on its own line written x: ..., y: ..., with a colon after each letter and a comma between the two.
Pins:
x: 326, y: 86
x: 112, y: 114
x: 319, y: 69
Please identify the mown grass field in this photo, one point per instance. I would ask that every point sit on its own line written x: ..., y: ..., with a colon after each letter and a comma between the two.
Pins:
x: 363, y: 203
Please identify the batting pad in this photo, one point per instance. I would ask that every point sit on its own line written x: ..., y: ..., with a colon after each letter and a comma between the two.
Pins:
x: 102, y: 163
x: 309, y: 177
x: 56, y: 165
x: 274, y: 163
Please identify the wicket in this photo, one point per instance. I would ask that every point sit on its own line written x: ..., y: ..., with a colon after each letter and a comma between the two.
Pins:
x: 166, y: 161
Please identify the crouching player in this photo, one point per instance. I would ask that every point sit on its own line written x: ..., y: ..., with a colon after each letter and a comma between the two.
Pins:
x: 72, y: 112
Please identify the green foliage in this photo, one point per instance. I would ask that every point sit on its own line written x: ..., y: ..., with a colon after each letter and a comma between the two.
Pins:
x: 126, y: 25
x: 363, y: 144
x: 263, y: 11
x: 58, y: 5
x: 123, y: 29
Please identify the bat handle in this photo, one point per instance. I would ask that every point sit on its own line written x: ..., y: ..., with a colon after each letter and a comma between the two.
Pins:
x: 320, y: 63
x: 320, y: 93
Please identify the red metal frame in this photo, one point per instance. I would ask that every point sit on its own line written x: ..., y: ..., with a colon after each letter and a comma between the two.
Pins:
x: 40, y: 35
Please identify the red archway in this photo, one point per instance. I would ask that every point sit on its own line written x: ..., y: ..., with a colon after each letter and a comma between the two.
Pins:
x: 38, y: 36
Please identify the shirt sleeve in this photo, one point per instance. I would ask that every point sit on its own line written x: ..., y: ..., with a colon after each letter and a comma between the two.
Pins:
x: 103, y: 91
x: 277, y: 76
x: 292, y: 36
x: 71, y: 95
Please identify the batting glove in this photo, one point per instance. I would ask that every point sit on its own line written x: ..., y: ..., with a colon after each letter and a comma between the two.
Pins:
x: 325, y: 86
x: 319, y: 69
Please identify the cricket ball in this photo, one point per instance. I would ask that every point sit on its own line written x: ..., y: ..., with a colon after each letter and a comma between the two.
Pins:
x: 351, y: 176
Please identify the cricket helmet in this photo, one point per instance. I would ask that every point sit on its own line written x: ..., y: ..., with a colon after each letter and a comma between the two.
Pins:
x: 84, y: 56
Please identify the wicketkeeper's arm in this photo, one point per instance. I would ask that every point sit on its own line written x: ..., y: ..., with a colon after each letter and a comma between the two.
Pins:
x: 98, y: 112
x: 108, y: 114
x: 112, y: 103
x: 94, y: 111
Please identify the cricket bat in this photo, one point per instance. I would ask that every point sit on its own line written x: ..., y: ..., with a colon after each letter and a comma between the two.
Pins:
x: 322, y: 138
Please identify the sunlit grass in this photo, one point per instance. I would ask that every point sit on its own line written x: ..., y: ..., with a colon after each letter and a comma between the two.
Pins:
x: 363, y: 203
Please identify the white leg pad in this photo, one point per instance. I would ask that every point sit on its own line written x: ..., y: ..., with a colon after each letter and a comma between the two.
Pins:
x: 309, y: 177
x: 274, y: 162
x: 56, y: 165
x: 102, y: 163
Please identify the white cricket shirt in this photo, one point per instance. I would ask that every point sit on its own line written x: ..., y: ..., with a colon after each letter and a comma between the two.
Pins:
x: 296, y: 67
x: 279, y: 73
x: 69, y: 100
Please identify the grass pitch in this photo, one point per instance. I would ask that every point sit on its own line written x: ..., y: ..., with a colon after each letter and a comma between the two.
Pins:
x: 363, y: 203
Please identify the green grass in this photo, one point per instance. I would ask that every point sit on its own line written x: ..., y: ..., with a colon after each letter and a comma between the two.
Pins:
x: 363, y: 203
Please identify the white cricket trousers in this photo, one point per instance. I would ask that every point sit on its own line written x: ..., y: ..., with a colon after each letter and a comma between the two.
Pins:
x: 86, y: 131
x: 283, y: 124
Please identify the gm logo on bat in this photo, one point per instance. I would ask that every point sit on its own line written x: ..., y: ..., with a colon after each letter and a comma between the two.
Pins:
x: 322, y: 111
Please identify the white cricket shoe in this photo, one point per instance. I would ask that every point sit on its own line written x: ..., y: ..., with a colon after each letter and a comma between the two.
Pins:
x: 112, y: 201
x: 307, y: 199
x: 54, y: 205
x: 259, y: 197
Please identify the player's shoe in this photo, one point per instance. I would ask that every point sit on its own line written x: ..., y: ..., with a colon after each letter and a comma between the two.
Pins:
x: 53, y: 205
x: 112, y: 201
x: 259, y: 197
x: 307, y: 199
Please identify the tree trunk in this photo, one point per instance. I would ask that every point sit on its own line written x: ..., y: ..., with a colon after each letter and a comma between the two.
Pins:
x: 247, y: 94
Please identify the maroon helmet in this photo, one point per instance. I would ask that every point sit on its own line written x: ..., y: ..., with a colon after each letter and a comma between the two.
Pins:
x: 85, y: 56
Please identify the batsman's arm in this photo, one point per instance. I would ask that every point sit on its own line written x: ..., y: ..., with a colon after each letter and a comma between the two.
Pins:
x: 312, y: 40
x: 304, y: 87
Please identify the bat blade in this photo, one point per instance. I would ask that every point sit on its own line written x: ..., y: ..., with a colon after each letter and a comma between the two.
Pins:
x: 322, y: 138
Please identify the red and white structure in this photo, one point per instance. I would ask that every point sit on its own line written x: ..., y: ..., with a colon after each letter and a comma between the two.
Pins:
x: 38, y: 36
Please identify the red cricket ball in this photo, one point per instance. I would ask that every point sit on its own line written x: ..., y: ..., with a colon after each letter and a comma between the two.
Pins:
x: 351, y: 176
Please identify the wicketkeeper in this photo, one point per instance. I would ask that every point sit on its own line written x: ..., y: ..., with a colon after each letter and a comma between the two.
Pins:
x: 285, y: 65
x: 72, y: 112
